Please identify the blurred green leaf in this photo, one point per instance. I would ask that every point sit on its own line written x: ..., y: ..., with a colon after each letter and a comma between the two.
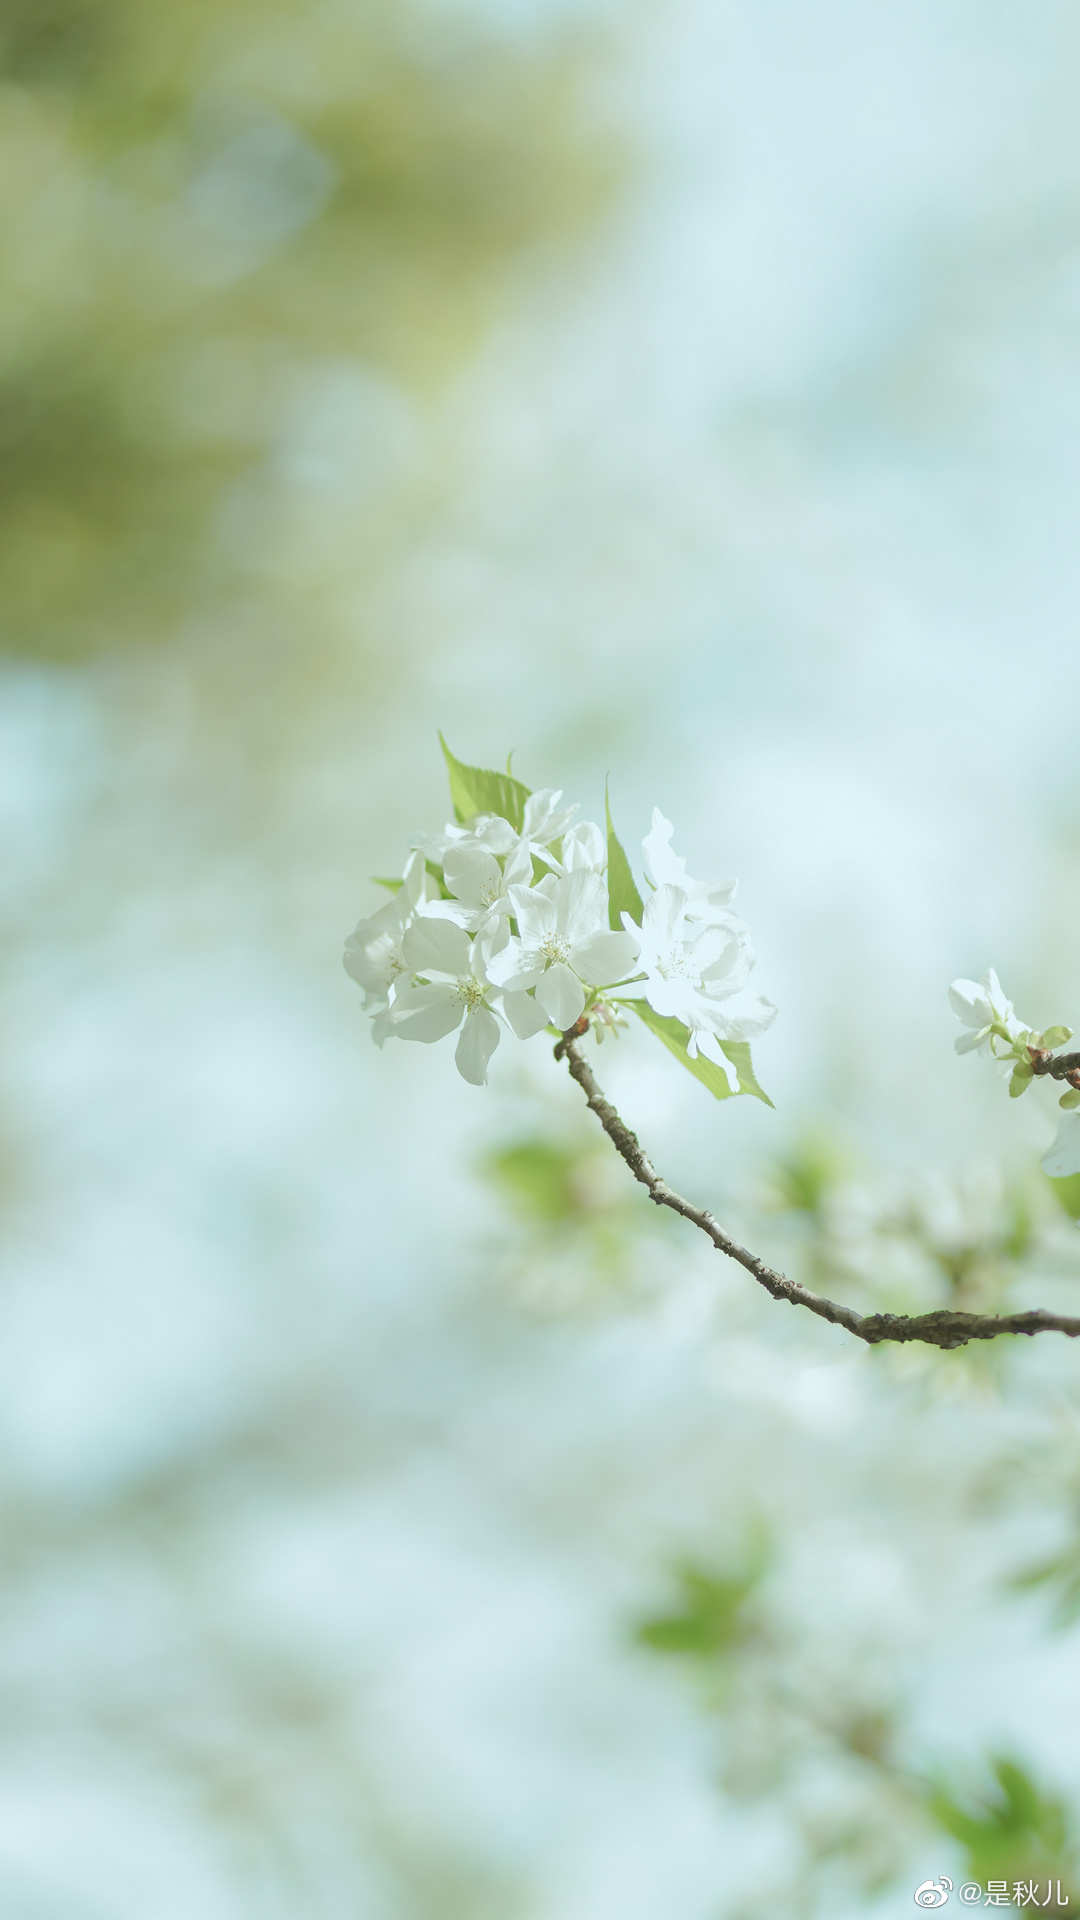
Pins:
x: 1018, y: 1230
x: 1070, y: 1099
x: 476, y: 790
x: 1016, y: 1833
x: 623, y: 895
x: 1060, y: 1576
x: 543, y: 1177
x: 1056, y: 1036
x: 712, y: 1616
x: 1067, y: 1194
x: 392, y: 886
x: 803, y: 1178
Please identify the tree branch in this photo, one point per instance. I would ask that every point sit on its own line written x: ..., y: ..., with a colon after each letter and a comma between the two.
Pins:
x: 945, y: 1327
x: 1060, y: 1066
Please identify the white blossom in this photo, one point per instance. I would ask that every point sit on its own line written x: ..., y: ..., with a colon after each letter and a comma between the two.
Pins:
x: 706, y: 899
x: 373, y: 951
x: 563, y: 944
x: 479, y: 885
x: 982, y: 1005
x: 544, y: 821
x: 455, y: 993
x: 584, y: 846
x: 693, y: 972
x: 488, y: 830
x: 1063, y: 1157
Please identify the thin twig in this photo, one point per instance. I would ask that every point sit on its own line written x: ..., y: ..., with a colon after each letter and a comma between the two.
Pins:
x: 946, y: 1327
x: 1060, y: 1066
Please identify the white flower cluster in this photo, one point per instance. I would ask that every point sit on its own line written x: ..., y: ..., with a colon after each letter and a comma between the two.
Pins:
x: 994, y: 1029
x: 501, y: 925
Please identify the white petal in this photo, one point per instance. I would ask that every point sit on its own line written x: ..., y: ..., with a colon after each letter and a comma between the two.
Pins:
x: 437, y: 946
x: 673, y: 998
x: 970, y: 1004
x: 750, y: 1016
x: 604, y: 957
x: 585, y: 846
x: 382, y: 1029
x: 518, y: 869
x: 967, y: 1042
x: 544, y: 819
x: 495, y: 937
x: 526, y: 1015
x: 663, y: 867
x: 534, y: 913
x: 561, y: 994
x: 729, y: 967
x: 493, y: 832
x: 664, y: 913
x: 711, y: 900
x: 426, y: 1013
x: 479, y: 1039
x: 515, y: 966
x: 415, y: 882
x: 472, y: 873
x: 1063, y: 1158
x: 581, y: 904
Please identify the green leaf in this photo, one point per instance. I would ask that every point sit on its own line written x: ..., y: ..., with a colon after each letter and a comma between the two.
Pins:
x: 1014, y: 1831
x: 1020, y: 1079
x: 476, y: 790
x: 623, y: 895
x: 1067, y: 1193
x: 738, y: 1052
x: 1070, y: 1099
x: 543, y: 1177
x: 803, y: 1180
x: 712, y: 1618
x: 1056, y: 1036
x: 392, y: 886
x: 676, y: 1038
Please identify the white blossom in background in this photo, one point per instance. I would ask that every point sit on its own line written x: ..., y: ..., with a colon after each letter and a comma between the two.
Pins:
x: 515, y: 926
x: 1063, y: 1157
x: 697, y: 973
x: 455, y: 992
x: 981, y: 1005
x: 705, y: 899
x: 564, y: 944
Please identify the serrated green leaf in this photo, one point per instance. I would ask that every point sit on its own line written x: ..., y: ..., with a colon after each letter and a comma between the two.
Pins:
x: 676, y: 1038
x: 738, y: 1052
x: 1020, y: 1079
x: 478, y: 790
x: 392, y: 886
x: 1070, y: 1099
x: 1056, y: 1036
x: 623, y: 896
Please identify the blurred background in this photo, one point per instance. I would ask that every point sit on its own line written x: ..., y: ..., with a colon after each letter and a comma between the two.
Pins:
x: 398, y: 1521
